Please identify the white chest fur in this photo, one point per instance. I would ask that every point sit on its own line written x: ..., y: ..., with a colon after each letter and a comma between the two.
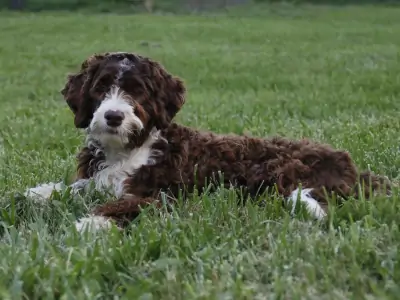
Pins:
x: 118, y: 166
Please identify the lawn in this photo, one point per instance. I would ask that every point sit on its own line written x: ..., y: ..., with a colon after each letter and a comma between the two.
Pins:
x: 330, y: 74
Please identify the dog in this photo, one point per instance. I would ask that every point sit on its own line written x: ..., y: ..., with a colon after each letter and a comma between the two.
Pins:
x: 127, y: 102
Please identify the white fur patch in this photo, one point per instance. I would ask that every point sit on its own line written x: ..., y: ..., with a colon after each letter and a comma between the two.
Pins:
x: 120, y: 164
x: 92, y: 223
x: 43, y: 191
x: 124, y: 66
x: 312, y: 205
x: 115, y: 100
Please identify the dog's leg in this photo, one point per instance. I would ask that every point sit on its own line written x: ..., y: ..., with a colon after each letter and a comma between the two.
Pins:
x: 93, y: 223
x: 312, y: 205
x: 289, y: 176
x: 44, y: 191
x: 321, y: 172
x: 79, y: 185
x: 120, y: 212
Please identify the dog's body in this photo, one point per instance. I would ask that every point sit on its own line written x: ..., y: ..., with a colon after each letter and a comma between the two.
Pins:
x: 127, y: 102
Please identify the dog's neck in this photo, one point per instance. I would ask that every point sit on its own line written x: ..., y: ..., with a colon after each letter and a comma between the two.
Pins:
x: 113, y: 153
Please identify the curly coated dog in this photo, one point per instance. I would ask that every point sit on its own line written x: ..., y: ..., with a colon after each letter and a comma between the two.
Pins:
x: 127, y: 102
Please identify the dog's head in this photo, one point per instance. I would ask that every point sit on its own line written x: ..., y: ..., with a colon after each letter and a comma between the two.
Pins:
x: 117, y: 96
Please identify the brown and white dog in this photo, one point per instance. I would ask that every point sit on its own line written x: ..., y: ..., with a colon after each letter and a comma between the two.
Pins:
x: 126, y: 104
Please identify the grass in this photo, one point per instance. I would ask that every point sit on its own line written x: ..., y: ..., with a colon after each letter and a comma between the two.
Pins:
x: 331, y: 74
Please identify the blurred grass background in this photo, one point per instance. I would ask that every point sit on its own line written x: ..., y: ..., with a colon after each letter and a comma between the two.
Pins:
x: 132, y: 6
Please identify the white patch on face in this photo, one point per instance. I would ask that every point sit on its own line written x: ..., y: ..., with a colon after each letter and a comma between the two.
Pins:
x: 124, y: 65
x: 114, y: 136
x: 92, y: 223
x: 118, y: 166
x: 312, y: 205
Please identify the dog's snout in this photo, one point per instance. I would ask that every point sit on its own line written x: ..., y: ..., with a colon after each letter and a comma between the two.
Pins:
x: 114, y: 118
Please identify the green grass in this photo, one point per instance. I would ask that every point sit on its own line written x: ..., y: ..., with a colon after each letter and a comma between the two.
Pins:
x: 331, y: 74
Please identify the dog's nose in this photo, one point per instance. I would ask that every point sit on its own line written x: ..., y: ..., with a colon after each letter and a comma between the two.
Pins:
x: 114, y: 117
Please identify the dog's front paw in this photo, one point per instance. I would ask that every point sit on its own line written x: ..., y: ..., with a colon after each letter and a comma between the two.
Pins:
x: 43, y: 191
x: 79, y: 185
x: 93, y: 223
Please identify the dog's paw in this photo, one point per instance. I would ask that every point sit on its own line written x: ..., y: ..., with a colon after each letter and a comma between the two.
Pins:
x: 93, y: 223
x: 79, y: 185
x: 43, y: 191
x: 311, y: 204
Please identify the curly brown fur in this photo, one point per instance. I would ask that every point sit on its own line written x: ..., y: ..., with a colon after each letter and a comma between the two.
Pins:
x: 179, y: 158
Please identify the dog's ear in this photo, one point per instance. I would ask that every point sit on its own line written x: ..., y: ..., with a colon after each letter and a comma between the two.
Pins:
x: 170, y: 95
x: 76, y: 91
x: 93, y: 59
x: 175, y: 97
x: 71, y: 91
